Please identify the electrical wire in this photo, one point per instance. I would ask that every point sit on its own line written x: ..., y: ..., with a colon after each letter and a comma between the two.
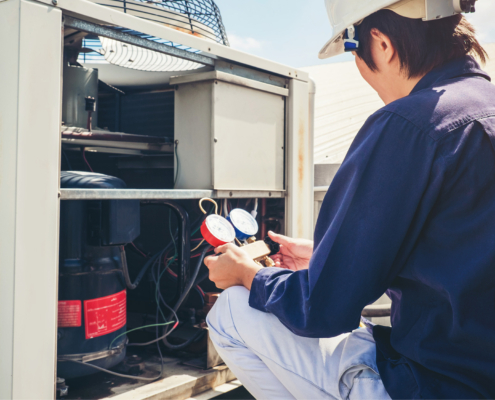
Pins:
x: 137, y: 329
x: 159, y: 298
x: 184, y: 294
x: 198, y: 246
x: 69, y: 166
x: 155, y: 260
x: 196, y: 287
x: 125, y: 270
x: 137, y: 249
x: 113, y: 373
x: 85, y: 160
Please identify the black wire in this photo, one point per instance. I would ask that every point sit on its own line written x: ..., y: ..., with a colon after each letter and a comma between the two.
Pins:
x: 156, y: 259
x: 125, y: 271
x: 181, y: 299
x: 202, y: 277
x: 152, y: 260
x: 157, y: 283
x: 141, y: 274
x: 69, y: 166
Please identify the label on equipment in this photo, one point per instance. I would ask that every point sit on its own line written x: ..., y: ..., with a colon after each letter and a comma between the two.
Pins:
x: 105, y: 315
x: 69, y: 314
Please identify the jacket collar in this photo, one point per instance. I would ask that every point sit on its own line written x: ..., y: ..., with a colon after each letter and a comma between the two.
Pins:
x: 462, y: 66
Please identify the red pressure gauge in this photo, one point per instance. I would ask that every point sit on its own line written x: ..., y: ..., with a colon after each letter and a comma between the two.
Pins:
x: 217, y: 231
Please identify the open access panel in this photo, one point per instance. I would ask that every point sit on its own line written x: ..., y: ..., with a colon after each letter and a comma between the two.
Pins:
x: 102, y: 170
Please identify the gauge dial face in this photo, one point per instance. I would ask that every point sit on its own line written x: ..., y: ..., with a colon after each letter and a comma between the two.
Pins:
x: 244, y: 221
x: 220, y: 228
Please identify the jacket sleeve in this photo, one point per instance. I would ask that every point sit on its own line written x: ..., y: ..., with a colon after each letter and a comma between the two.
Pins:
x: 368, y: 223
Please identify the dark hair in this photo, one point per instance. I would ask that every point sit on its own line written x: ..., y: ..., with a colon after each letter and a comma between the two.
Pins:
x: 421, y: 45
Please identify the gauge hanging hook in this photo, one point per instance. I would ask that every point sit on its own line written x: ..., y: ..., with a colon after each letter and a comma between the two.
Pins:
x: 211, y: 201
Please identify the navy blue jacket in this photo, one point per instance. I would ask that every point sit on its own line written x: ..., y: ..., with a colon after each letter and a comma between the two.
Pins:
x: 411, y: 212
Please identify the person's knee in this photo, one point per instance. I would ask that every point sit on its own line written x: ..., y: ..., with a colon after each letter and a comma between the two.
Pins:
x: 219, y: 319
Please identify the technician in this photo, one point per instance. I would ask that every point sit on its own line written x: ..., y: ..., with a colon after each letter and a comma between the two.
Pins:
x: 411, y: 212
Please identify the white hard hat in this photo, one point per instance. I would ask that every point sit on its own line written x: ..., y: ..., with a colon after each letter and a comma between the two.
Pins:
x: 344, y: 14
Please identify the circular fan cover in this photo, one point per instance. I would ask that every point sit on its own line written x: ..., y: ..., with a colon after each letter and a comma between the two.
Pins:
x: 200, y: 18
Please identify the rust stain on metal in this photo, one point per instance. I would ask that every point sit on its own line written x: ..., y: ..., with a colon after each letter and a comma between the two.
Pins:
x: 188, y: 31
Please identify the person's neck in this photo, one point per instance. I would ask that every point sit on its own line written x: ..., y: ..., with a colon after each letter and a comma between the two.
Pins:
x: 395, y: 89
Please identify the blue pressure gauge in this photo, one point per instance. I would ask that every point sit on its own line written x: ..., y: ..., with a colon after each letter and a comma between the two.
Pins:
x: 244, y: 224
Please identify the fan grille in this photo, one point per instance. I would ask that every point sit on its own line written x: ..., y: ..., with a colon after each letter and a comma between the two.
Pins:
x: 200, y: 18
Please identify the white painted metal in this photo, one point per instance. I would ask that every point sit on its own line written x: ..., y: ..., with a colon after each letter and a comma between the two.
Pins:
x: 248, y: 145
x: 9, y: 78
x: 300, y: 166
x: 30, y: 114
x: 229, y: 78
x: 177, y: 194
x: 106, y: 15
x: 230, y: 132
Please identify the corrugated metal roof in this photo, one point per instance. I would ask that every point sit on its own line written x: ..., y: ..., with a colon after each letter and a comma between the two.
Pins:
x: 343, y: 103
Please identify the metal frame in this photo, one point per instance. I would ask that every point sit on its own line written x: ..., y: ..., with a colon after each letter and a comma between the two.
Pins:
x: 29, y: 206
x: 124, y: 37
x: 106, y: 16
x: 30, y: 182
x: 176, y: 194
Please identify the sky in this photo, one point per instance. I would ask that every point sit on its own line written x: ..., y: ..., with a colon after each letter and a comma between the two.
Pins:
x: 292, y: 32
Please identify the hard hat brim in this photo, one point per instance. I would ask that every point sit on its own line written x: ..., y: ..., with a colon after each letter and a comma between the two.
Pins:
x: 334, y: 47
x: 406, y: 8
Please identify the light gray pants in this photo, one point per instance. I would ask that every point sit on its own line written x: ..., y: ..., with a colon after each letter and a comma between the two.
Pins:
x: 273, y: 363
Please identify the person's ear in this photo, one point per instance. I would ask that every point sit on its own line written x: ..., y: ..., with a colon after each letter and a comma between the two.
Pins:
x: 383, y: 48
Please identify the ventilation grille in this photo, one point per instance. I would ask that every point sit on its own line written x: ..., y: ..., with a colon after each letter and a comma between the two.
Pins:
x: 200, y: 18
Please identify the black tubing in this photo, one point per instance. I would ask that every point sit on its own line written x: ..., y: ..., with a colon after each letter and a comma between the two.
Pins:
x: 182, y: 345
x: 184, y: 243
x: 202, y: 277
x: 125, y: 269
x: 184, y: 294
x: 183, y: 256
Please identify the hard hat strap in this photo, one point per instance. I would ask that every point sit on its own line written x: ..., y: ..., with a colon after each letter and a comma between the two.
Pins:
x: 351, y: 38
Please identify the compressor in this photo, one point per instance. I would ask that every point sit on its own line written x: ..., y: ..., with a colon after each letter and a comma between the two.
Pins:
x: 92, y: 288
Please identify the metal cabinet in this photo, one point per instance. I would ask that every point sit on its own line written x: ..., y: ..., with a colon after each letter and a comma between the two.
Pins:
x: 266, y: 129
x: 234, y: 129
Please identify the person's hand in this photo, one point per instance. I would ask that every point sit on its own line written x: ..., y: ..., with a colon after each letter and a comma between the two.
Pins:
x: 232, y: 267
x: 294, y: 253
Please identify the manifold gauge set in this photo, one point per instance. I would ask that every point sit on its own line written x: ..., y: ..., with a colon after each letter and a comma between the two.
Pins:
x: 240, y: 227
